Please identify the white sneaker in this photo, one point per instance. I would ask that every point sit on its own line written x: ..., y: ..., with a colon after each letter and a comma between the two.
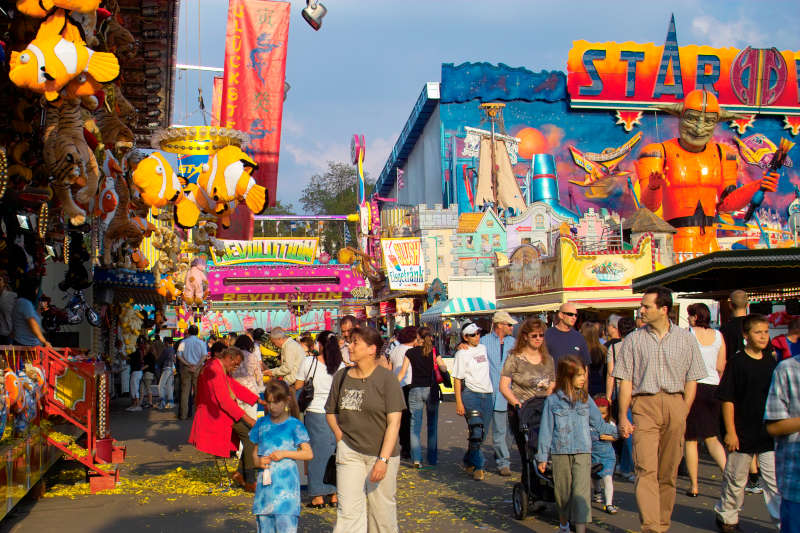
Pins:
x: 135, y: 408
x: 129, y: 408
x: 563, y: 528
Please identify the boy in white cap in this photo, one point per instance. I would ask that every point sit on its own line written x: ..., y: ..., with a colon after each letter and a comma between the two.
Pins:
x: 473, y: 389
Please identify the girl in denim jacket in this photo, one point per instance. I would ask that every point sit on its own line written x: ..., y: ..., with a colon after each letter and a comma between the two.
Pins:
x: 564, y: 437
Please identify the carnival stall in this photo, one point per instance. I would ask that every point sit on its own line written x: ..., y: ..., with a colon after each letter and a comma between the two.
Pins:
x: 85, y: 83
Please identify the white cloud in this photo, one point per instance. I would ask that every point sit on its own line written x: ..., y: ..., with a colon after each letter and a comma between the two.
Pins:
x: 378, y: 151
x: 718, y: 34
x: 315, y: 155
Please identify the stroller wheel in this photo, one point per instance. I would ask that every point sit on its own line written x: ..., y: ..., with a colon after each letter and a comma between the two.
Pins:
x: 520, y: 501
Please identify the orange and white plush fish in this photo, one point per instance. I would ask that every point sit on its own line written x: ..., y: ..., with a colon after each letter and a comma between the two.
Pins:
x: 157, y: 182
x: 56, y: 57
x: 225, y: 180
x: 40, y: 8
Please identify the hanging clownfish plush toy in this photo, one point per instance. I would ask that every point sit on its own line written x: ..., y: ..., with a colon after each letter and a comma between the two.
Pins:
x: 225, y: 180
x: 157, y: 182
x: 56, y: 57
x: 40, y: 8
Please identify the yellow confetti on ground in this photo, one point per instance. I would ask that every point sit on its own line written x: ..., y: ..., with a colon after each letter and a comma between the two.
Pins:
x: 195, y: 481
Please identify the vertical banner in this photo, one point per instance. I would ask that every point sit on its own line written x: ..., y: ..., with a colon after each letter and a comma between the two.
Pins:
x: 255, y: 72
x: 216, y: 100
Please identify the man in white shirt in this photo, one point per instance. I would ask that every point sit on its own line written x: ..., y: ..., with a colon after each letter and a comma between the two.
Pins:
x: 292, y: 354
x: 473, y: 388
x: 346, y: 326
x: 192, y: 354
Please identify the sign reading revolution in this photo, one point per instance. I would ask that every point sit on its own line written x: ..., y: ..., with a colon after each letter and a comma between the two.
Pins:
x: 299, y: 251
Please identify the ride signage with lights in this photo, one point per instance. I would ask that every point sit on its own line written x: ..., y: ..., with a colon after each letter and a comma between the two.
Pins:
x: 633, y: 76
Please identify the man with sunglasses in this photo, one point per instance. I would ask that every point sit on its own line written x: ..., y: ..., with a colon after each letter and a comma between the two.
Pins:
x: 563, y: 339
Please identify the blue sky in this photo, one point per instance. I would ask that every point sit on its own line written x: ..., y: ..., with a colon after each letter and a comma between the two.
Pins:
x: 363, y: 70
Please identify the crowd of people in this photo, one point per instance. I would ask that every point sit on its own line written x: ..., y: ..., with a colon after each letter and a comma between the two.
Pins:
x: 600, y: 400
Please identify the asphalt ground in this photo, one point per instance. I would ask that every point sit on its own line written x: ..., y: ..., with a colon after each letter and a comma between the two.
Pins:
x: 165, y: 484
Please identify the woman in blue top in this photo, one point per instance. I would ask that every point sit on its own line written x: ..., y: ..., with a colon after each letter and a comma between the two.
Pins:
x: 280, y: 440
x: 564, y: 437
x: 26, y: 322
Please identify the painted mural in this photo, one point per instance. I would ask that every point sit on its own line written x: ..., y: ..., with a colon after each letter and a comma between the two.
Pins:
x: 596, y: 149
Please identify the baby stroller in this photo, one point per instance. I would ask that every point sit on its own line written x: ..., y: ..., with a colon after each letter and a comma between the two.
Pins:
x: 535, y: 488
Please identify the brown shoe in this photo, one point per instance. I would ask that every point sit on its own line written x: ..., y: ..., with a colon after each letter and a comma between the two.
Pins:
x: 505, y: 471
x: 469, y: 469
x: 479, y: 475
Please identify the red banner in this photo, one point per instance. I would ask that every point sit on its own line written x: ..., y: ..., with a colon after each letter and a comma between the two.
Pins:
x: 216, y: 100
x: 255, y: 71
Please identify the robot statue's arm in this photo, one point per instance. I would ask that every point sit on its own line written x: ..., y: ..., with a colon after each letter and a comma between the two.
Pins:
x: 650, y: 170
x: 735, y: 199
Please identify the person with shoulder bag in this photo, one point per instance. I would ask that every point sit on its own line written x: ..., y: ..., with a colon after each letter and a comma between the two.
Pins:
x: 315, y: 384
x: 364, y: 410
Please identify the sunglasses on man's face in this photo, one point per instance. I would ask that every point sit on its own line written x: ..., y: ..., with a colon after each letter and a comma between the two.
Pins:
x: 568, y: 313
x: 470, y: 334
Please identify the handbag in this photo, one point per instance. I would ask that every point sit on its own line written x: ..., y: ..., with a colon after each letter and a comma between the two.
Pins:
x: 307, y: 392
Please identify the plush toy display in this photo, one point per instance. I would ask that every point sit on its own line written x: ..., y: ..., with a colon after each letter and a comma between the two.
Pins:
x: 196, y: 283
x: 225, y: 180
x: 204, y: 240
x: 130, y: 324
x: 57, y: 56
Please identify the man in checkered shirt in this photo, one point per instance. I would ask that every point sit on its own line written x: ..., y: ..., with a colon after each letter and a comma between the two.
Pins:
x: 782, y: 416
x: 658, y: 366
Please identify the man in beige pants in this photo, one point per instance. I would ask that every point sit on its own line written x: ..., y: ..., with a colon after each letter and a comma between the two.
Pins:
x: 658, y: 366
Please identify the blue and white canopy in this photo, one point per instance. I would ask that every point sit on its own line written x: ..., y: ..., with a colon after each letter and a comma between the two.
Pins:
x: 458, y: 307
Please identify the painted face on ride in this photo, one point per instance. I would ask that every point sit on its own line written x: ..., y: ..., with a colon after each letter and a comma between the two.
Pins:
x: 698, y: 120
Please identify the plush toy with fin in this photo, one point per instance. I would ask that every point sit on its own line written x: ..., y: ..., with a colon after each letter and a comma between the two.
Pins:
x: 57, y: 56
x: 40, y: 8
x: 157, y: 182
x: 225, y: 180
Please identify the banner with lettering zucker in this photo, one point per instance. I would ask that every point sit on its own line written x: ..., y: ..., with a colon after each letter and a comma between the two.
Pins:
x: 252, y: 89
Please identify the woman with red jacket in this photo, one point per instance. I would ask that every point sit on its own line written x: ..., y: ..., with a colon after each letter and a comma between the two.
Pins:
x: 219, y: 423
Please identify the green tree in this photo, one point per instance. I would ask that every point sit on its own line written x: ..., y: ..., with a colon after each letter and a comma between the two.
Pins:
x: 334, y: 193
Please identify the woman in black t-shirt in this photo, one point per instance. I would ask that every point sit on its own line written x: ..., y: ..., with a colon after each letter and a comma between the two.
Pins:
x: 424, y: 394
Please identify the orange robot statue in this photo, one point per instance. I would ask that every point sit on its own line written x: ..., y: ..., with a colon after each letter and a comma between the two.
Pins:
x: 692, y: 177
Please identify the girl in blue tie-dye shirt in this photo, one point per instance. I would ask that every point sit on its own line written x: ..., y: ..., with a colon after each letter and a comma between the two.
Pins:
x: 280, y: 439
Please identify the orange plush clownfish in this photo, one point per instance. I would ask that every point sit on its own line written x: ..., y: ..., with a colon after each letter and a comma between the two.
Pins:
x: 225, y: 180
x: 40, y: 8
x: 157, y: 182
x: 13, y: 395
x: 57, y: 56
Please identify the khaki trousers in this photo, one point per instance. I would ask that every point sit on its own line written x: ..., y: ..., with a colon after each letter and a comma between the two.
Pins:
x: 660, y: 422
x: 572, y: 480
x: 364, y: 506
x: 188, y: 384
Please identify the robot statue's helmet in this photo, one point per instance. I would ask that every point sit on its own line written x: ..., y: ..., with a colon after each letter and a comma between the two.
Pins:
x: 701, y: 100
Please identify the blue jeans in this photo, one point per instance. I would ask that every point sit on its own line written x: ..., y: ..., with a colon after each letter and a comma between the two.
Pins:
x: 277, y: 523
x: 419, y: 398
x: 484, y: 404
x: 500, y: 439
x: 790, y: 516
x: 323, y: 444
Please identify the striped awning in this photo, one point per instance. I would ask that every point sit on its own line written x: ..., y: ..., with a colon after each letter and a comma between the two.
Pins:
x: 458, y: 307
